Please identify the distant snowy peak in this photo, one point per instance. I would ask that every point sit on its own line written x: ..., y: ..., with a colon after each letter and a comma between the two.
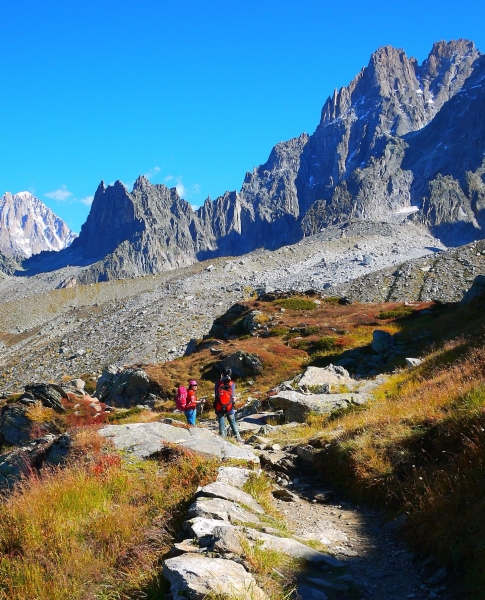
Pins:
x: 27, y: 226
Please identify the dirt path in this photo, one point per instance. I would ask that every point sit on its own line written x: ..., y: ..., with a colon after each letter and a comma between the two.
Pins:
x: 378, y: 563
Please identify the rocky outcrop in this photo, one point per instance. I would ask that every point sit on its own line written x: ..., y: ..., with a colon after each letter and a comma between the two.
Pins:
x: 27, y: 226
x: 122, y: 388
x: 242, y: 364
x: 29, y: 459
x: 147, y: 439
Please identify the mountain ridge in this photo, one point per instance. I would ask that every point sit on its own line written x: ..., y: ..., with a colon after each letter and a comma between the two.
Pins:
x: 369, y: 158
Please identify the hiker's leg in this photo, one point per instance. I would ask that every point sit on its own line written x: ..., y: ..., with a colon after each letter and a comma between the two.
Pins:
x: 233, y: 424
x: 222, y: 425
x: 190, y: 416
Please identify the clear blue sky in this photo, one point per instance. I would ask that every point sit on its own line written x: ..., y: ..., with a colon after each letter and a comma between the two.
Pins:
x: 190, y: 93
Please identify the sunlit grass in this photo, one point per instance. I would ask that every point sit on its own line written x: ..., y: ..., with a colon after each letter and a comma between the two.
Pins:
x: 95, y: 529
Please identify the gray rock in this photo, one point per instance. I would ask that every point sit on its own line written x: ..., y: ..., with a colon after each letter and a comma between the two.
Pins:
x: 382, y: 341
x: 297, y: 406
x: 243, y: 364
x: 29, y: 459
x: 292, y: 547
x: 339, y: 587
x: 201, y: 529
x: 17, y: 428
x: 325, y: 380
x: 439, y: 577
x: 227, y: 540
x: 235, y: 476
x: 122, y: 388
x: 217, y: 508
x: 307, y: 453
x: 285, y: 495
x: 477, y: 288
x: 194, y: 576
x: 413, y: 362
x: 395, y: 524
x: 80, y: 384
x: 147, y: 439
x: 219, y: 489
x: 49, y: 394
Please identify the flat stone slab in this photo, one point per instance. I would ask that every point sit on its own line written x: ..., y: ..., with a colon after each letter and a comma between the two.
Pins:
x: 146, y: 439
x: 219, y: 489
x: 297, y: 406
x: 194, y: 576
x: 217, y: 508
x: 235, y: 476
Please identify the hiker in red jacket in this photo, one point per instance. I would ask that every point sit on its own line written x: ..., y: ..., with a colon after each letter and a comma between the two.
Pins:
x: 190, y: 410
x: 224, y: 399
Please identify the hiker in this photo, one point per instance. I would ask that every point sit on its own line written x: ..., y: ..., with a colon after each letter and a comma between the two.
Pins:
x: 191, y: 402
x: 224, y: 399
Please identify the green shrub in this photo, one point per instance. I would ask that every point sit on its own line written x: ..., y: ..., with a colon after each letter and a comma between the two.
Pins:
x: 396, y: 313
x: 324, y: 344
x: 297, y: 304
x: 277, y: 331
x: 307, y: 331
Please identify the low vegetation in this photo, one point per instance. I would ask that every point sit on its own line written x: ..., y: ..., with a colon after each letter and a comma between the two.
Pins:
x: 96, y: 528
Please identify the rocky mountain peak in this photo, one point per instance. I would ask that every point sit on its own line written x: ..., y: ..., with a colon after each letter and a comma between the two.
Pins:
x: 28, y: 226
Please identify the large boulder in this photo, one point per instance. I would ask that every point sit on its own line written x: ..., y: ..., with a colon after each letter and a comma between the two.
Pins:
x: 223, y: 327
x: 382, y: 342
x: 198, y: 577
x: 18, y: 424
x: 298, y: 407
x: 49, y: 394
x: 122, y: 387
x: 242, y: 364
x: 325, y: 380
x: 22, y: 462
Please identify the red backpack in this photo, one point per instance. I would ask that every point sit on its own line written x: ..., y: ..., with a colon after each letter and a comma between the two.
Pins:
x: 181, y: 398
x: 224, y: 402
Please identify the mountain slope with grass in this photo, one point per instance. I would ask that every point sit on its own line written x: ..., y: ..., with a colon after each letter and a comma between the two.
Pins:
x: 416, y: 449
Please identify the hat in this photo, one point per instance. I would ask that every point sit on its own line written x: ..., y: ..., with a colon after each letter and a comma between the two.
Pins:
x: 192, y: 382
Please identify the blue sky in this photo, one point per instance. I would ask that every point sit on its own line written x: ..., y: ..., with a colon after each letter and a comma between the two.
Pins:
x: 191, y: 94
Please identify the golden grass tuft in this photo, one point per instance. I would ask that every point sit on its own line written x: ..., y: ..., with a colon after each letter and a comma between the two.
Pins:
x: 95, y: 529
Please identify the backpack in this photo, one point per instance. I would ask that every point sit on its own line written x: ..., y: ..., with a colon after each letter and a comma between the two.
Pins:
x: 181, y: 398
x: 224, y: 402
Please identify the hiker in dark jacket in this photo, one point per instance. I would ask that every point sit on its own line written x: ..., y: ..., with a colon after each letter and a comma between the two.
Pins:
x: 224, y: 399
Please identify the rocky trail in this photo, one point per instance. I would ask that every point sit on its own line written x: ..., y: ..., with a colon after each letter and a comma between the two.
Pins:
x: 357, y: 553
x: 378, y: 563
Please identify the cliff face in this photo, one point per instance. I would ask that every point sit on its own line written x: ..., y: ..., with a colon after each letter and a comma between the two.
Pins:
x: 401, y: 139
